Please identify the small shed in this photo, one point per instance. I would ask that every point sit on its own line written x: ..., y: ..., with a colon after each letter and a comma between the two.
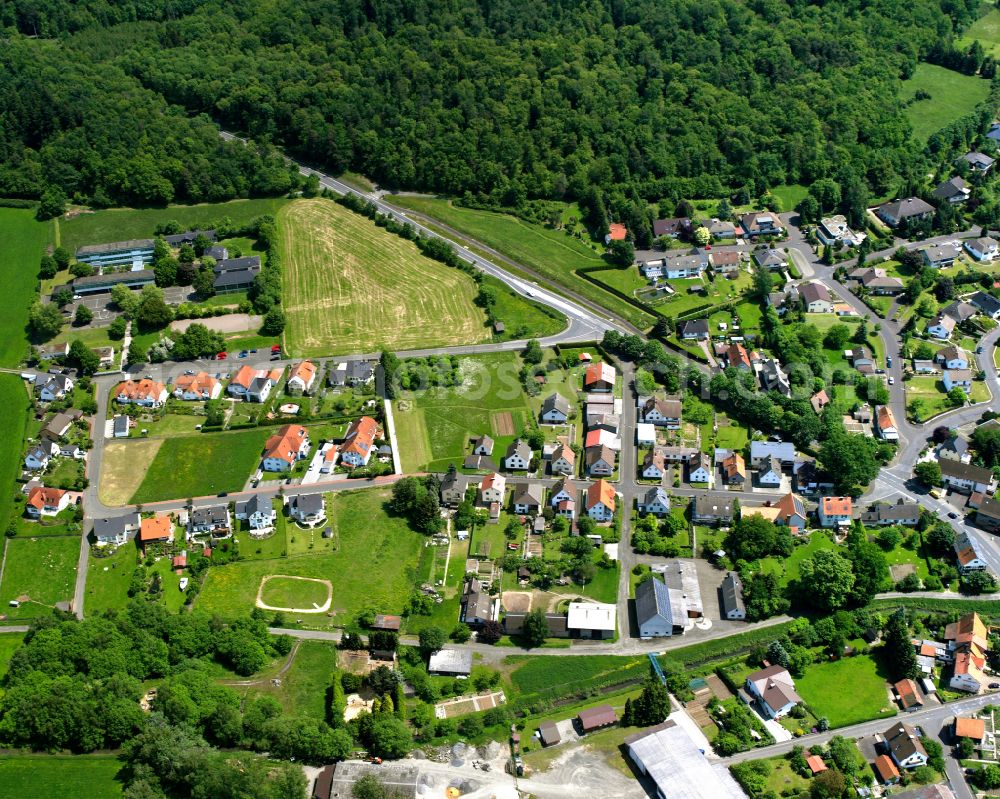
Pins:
x: 597, y: 718
x: 816, y: 764
x: 383, y: 622
x: 548, y: 733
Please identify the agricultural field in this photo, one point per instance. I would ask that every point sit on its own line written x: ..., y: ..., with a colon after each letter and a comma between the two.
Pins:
x: 24, y: 243
x: 538, y: 675
x: 199, y: 465
x: 552, y: 253
x: 952, y: 95
x: 14, y: 401
x: 42, y: 569
x: 987, y: 30
x: 121, y: 224
x: 59, y: 775
x: 123, y: 468
x: 433, y: 427
x: 108, y: 579
x: 350, y: 286
x: 822, y: 689
x: 365, y: 533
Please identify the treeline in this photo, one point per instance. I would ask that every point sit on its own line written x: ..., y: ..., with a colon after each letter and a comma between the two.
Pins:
x: 610, y: 104
x: 74, y: 129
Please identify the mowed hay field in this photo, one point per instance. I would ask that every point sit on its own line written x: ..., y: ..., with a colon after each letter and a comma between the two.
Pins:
x: 43, y: 569
x: 952, y: 96
x: 123, y: 468
x: 352, y: 287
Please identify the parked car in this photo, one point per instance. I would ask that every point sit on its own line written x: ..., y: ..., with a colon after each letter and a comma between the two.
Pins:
x: 243, y: 354
x: 952, y: 515
x: 222, y: 356
x: 892, y: 381
x: 888, y: 360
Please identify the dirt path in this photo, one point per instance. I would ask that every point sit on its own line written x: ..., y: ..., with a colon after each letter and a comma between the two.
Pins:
x: 264, y: 681
x: 314, y: 609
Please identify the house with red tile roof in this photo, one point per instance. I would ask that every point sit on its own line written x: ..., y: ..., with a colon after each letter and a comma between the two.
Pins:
x: 359, y: 442
x: 44, y: 501
x: 200, y: 386
x: 600, y: 377
x: 616, y: 232
x: 492, y: 489
x: 285, y: 448
x: 155, y: 528
x: 301, y: 378
x: 601, y: 501
x: 887, y: 772
x: 835, y: 511
x: 147, y: 393
x: 885, y: 423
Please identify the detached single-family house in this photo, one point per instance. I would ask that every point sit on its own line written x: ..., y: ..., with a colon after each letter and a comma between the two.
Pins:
x: 941, y: 327
x: 44, y: 501
x: 773, y: 377
x: 40, y: 454
x: 360, y: 372
x: 359, y: 441
x: 482, y: 445
x: 908, y: 695
x: 49, y: 388
x: 285, y: 448
x: 983, y: 248
x: 967, y: 554
x: 563, y: 491
x: 789, y: 511
x: 59, y: 424
x: 957, y: 377
x: 773, y: 691
x: 954, y: 448
x: 616, y: 232
x: 700, y: 469
x: 683, y: 267
x: 454, y: 486
x: 903, y: 745
x: 200, y: 386
x: 145, y: 393
x: 737, y: 357
x: 966, y: 477
x: 600, y: 377
x: 882, y: 514
x: 712, y: 509
x: 476, y: 604
x: 819, y: 401
x: 832, y: 229
x: 527, y: 498
x: 986, y: 303
x: 555, y: 409
x: 665, y: 413
x: 696, y: 329
x: 301, y: 378
x: 734, y: 470
x: 726, y: 262
x: 770, y: 259
x: 115, y: 530
x: 954, y: 191
x: 910, y: 209
x: 816, y: 298
x: 155, y: 528
x: 600, y: 461
x: 213, y: 519
x: 492, y: 489
x: 761, y: 223
x: 307, y: 508
x: 672, y: 228
x: 655, y: 501
x: 518, y: 457
x: 600, y: 504
x: 563, y: 460
x: 952, y: 357
x: 885, y: 423
x: 258, y: 512
x: 960, y: 311
x: 653, y: 465
x: 941, y: 256
x: 835, y: 511
x: 978, y: 162
x: 721, y: 229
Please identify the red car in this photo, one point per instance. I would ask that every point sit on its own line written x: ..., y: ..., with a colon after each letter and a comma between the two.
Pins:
x: 222, y: 356
x: 276, y: 348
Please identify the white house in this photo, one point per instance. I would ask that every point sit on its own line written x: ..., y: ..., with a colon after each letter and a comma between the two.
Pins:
x: 904, y: 746
x: 885, y: 423
x: 700, y: 470
x: 492, y: 489
x: 769, y: 473
x: 645, y: 434
x: 600, y: 503
x: 114, y: 531
x: 658, y: 610
x: 957, y: 377
x: 39, y: 454
x: 653, y: 465
x: 563, y: 460
x: 518, y: 456
x: 773, y: 690
x: 952, y: 357
x: 196, y: 387
x: 258, y: 512
x: 307, y: 508
x: 555, y: 409
x: 44, y: 501
x: 301, y: 378
x: 967, y: 477
x: 982, y: 249
x: 286, y: 448
x: 835, y: 511
x: 655, y: 501
x: 832, y: 229
x: 53, y: 387
x: 986, y: 303
x: 816, y: 298
x: 940, y: 327
x: 563, y: 491
x: 664, y: 413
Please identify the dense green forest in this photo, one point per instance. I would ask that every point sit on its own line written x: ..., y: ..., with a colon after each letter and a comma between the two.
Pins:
x: 609, y: 102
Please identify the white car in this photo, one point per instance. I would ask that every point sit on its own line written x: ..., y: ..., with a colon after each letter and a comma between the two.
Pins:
x: 184, y: 583
x: 892, y: 381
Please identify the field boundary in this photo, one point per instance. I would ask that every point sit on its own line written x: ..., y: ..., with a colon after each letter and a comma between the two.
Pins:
x: 315, y: 609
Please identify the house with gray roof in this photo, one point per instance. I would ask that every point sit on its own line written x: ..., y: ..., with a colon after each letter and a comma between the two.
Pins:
x: 477, y: 604
x: 258, y: 512
x: 954, y: 191
x: 655, y: 611
x: 942, y: 255
x: 655, y: 501
x: 770, y: 259
x: 983, y: 248
x: 979, y: 162
x: 909, y: 209
x: 518, y: 456
x: 308, y: 508
x: 733, y: 607
x: 451, y: 663
x: 115, y: 530
x: 555, y: 409
x: 213, y: 520
x: 986, y: 303
x: 761, y: 451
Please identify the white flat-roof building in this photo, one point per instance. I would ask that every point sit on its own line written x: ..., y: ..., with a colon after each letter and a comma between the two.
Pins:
x: 645, y: 434
x: 675, y: 762
x: 591, y: 620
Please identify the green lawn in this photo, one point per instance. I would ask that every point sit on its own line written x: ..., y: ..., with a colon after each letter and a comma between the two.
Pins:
x: 987, y: 30
x: 24, y: 241
x: 823, y: 689
x: 552, y: 253
x: 434, y: 429
x: 192, y: 466
x: 366, y: 534
x: 9, y: 642
x: 43, y: 569
x: 170, y: 424
x: 93, y: 776
x: 121, y: 224
x: 535, y: 675
x: 522, y: 318
x: 787, y: 569
x: 283, y: 592
x: 790, y: 195
x: 750, y: 314
x: 303, y: 687
x: 108, y: 580
x: 14, y: 401
x: 930, y: 391
x: 952, y: 95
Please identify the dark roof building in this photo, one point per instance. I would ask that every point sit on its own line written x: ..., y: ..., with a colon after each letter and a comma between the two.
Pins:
x: 732, y: 597
x: 596, y: 718
x: 98, y: 284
